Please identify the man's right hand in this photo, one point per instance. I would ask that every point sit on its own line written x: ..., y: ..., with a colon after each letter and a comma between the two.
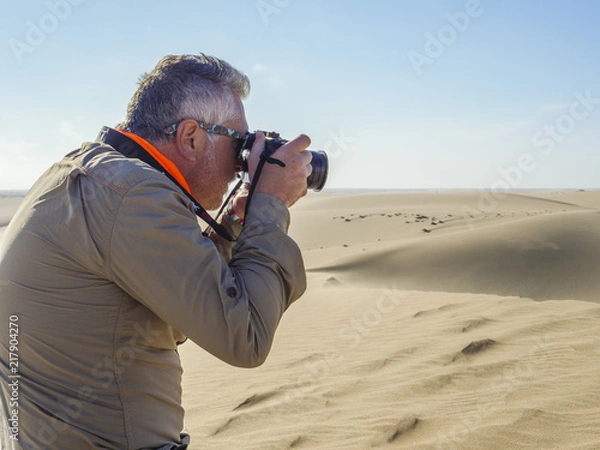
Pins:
x: 286, y: 183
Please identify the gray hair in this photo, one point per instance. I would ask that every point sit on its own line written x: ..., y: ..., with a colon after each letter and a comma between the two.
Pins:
x: 182, y: 87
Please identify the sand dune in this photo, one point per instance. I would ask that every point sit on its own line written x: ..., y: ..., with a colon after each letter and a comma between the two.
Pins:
x: 416, y: 331
x: 540, y: 248
x: 544, y: 257
x: 357, y: 368
x: 8, y: 206
x: 420, y: 330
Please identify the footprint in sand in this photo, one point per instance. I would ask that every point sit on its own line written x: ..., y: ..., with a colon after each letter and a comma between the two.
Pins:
x: 255, y: 399
x: 332, y: 282
x: 403, y: 428
x: 478, y: 346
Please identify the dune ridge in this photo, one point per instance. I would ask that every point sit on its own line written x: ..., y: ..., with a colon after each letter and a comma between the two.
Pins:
x: 541, y: 257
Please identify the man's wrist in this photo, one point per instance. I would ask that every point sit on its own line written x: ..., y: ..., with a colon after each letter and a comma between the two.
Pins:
x: 267, y: 209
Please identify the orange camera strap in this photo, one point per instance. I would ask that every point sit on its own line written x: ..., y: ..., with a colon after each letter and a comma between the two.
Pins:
x: 132, y: 146
x: 165, y: 162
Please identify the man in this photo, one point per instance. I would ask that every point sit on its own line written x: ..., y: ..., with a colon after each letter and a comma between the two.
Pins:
x: 104, y: 270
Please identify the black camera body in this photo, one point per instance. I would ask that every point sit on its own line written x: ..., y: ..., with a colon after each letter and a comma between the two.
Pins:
x: 320, y: 163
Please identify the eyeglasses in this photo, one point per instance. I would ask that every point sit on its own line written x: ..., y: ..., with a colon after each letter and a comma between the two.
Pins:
x: 209, y: 128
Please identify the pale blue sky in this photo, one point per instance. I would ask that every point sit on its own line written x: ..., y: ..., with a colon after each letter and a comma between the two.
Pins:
x: 402, y: 94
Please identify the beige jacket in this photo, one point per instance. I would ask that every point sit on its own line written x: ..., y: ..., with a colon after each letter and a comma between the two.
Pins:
x: 106, y: 268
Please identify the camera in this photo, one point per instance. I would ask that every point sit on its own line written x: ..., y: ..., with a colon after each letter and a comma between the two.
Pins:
x: 320, y: 163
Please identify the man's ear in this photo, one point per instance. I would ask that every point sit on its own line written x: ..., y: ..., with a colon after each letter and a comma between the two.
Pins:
x: 191, y: 141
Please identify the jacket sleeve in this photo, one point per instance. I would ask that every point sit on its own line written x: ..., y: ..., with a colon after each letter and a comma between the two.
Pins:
x: 224, y: 246
x: 158, y: 255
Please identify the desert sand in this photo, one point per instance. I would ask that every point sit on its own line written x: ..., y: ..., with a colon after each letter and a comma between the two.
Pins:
x: 9, y: 204
x: 432, y: 320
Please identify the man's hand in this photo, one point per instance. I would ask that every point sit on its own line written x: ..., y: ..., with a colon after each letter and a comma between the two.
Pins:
x: 286, y: 183
x: 239, y: 201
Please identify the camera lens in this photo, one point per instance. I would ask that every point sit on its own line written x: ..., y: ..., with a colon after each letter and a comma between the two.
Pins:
x: 320, y: 166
